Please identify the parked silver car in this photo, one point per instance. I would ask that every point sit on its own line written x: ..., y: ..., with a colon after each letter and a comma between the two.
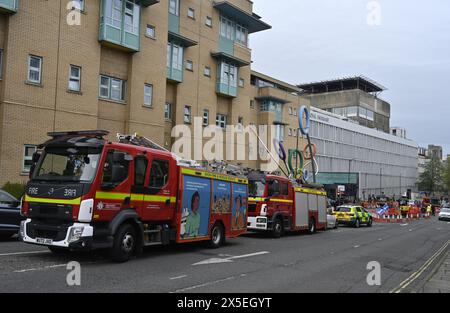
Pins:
x: 332, y: 222
x: 444, y: 215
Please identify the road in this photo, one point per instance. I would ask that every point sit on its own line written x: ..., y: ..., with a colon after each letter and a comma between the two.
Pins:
x: 332, y: 261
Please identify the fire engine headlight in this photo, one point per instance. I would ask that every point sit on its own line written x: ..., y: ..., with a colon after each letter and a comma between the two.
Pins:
x: 75, y: 234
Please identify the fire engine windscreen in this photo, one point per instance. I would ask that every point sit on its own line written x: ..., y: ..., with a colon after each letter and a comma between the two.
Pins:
x: 256, y: 188
x: 68, y: 164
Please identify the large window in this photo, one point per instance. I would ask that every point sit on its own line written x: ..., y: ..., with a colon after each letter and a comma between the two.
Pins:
x: 75, y: 78
x: 118, y: 11
x: 174, y: 61
x: 112, y: 88
x: 28, y: 151
x: 233, y: 31
x: 35, y: 69
x: 228, y: 74
x: 174, y: 7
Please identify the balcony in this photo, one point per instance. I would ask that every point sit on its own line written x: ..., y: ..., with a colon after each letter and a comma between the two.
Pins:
x: 120, y: 24
x: 9, y: 6
x: 272, y: 94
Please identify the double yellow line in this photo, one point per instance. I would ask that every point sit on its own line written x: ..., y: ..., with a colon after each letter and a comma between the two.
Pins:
x: 420, y: 271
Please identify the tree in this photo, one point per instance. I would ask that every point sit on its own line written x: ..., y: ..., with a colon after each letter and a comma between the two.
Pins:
x: 431, y: 180
x: 447, y: 175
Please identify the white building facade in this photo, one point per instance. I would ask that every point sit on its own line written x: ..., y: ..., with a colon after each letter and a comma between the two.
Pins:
x: 361, y: 160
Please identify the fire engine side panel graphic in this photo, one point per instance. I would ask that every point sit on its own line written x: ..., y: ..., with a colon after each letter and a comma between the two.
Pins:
x: 222, y: 197
x: 196, y: 208
x: 240, y: 202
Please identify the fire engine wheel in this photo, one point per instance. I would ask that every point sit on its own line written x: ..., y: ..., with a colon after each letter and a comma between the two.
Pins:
x: 277, y: 228
x: 124, y: 243
x: 217, y: 236
x: 312, y: 226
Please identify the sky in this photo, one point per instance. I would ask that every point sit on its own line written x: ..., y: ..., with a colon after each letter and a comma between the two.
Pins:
x: 405, y: 46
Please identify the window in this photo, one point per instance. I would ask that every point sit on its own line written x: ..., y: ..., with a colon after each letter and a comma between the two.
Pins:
x: 108, y: 168
x: 363, y: 112
x: 241, y: 82
x: 279, y: 133
x: 187, y: 114
x: 174, y: 56
x: 34, y: 69
x: 168, y: 111
x: 78, y: 5
x: 190, y: 65
x: 241, y: 35
x: 294, y: 132
x: 140, y: 170
x: 28, y: 151
x: 75, y: 78
x: 1, y: 63
x: 290, y: 131
x: 112, y: 88
x: 208, y: 21
x: 150, y: 31
x: 6, y: 198
x: 352, y: 111
x: 274, y: 188
x: 159, y: 174
x: 227, y: 28
x: 207, y: 71
x: 370, y: 115
x: 118, y: 11
x: 295, y: 112
x: 252, y: 104
x: 221, y: 121
x: 205, y: 117
x: 284, y: 189
x: 148, y: 95
x: 132, y: 12
x: 191, y: 13
x: 228, y: 74
x: 174, y: 7
x: 290, y: 110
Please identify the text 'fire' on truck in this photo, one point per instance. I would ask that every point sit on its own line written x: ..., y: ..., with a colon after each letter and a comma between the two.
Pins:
x: 276, y: 204
x: 87, y: 193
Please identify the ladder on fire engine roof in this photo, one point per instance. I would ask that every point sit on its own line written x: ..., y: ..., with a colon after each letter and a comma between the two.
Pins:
x: 141, y: 141
x: 220, y: 167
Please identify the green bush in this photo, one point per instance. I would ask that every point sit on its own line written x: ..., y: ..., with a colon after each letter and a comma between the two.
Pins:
x: 15, y: 189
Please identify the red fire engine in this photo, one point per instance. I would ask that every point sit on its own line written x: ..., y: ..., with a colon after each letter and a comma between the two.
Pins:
x: 88, y: 193
x: 277, y: 204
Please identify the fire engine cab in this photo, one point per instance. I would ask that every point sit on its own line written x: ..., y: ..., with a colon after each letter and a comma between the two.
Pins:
x: 277, y: 204
x: 88, y: 193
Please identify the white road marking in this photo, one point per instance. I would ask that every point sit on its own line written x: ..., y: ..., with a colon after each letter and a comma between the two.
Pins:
x: 204, y: 285
x: 23, y: 253
x: 403, y: 225
x: 178, y: 277
x: 40, y: 268
x: 357, y: 246
x: 420, y: 271
x: 229, y: 259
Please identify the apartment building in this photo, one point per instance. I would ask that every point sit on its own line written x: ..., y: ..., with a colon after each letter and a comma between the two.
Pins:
x: 131, y: 66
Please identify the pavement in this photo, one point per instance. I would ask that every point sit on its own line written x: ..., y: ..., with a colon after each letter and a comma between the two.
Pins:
x: 331, y: 261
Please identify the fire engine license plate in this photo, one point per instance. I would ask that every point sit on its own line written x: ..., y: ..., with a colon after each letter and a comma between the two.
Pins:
x: 44, y: 241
